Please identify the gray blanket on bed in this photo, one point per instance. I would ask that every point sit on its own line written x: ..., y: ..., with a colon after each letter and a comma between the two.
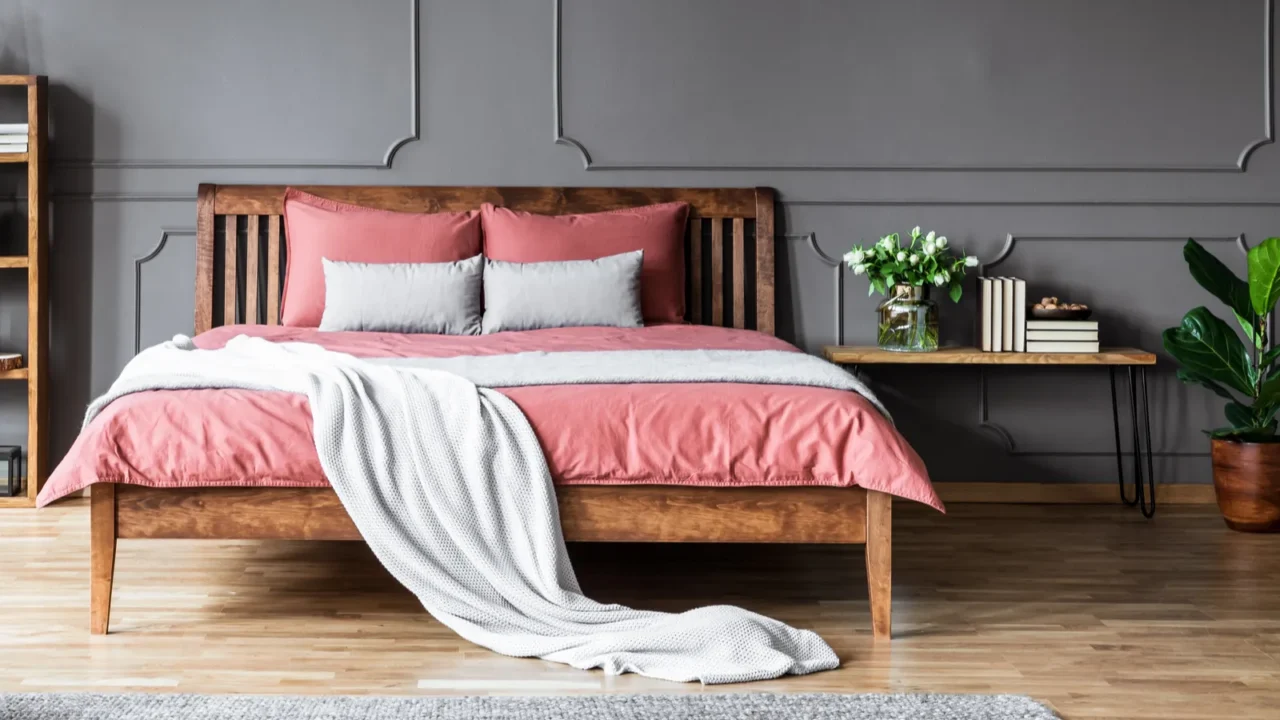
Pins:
x: 448, y: 485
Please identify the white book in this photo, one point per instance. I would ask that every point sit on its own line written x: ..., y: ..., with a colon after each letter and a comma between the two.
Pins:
x: 14, y: 129
x: 10, y: 138
x: 1019, y: 315
x: 10, y: 149
x: 985, y: 318
x: 1061, y: 347
x: 1062, y: 325
x: 1007, y: 315
x: 1088, y: 335
x: 997, y: 315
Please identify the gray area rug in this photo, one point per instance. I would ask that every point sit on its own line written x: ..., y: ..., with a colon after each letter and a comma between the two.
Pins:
x: 756, y: 706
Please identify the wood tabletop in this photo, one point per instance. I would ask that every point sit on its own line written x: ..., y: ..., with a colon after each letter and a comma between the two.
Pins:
x: 871, y: 355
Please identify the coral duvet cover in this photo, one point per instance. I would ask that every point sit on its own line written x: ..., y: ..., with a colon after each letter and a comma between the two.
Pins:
x: 708, y: 434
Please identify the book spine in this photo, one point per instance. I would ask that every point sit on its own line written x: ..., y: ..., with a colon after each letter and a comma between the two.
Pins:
x: 986, y: 314
x: 1062, y: 325
x: 997, y: 315
x: 1007, y: 339
x: 1063, y: 335
x: 1062, y: 347
x: 1019, y: 315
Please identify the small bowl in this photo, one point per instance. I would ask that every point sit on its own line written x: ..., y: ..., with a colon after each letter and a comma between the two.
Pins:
x: 1060, y: 314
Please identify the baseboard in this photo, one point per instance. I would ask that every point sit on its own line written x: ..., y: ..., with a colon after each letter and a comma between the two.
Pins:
x: 1065, y: 493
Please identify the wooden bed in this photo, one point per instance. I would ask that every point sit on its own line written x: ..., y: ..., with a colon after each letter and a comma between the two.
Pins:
x: 730, y: 256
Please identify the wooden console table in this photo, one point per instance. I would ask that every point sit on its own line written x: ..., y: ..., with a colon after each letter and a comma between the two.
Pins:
x: 1134, y: 360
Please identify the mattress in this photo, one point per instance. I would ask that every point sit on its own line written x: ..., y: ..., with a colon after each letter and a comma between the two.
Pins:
x: 705, y: 434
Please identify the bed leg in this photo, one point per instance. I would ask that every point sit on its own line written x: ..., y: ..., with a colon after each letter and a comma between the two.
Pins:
x: 880, y: 562
x: 102, y: 554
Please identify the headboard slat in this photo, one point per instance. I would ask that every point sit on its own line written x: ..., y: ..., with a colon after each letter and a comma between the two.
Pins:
x: 230, y: 273
x: 739, y: 274
x: 273, y: 269
x: 749, y: 211
x: 251, y: 315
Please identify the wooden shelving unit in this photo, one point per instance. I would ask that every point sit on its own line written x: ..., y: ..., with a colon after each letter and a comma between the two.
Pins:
x: 35, y: 373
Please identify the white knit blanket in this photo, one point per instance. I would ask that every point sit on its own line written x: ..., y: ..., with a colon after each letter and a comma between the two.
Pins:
x: 447, y: 483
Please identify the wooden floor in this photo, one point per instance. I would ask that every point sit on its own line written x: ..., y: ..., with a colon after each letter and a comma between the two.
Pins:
x: 1092, y: 609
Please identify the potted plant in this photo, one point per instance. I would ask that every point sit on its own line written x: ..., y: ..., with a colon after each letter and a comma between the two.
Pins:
x: 905, y: 272
x: 1246, y: 451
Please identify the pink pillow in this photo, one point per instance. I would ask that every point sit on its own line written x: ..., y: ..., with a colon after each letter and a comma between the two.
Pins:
x: 317, y: 227
x: 658, y: 230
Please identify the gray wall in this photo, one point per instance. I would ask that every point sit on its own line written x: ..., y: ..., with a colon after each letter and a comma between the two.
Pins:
x: 1100, y: 133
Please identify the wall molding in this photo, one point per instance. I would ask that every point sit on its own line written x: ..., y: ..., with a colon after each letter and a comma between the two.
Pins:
x: 1240, y: 164
x: 165, y: 234
x: 388, y: 157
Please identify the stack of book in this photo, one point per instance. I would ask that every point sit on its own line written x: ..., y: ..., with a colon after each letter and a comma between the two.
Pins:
x: 1066, y: 336
x: 1004, y: 314
x: 13, y: 138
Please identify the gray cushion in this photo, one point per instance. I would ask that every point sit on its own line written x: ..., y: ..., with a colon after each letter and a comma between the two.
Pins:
x: 439, y: 298
x: 571, y: 293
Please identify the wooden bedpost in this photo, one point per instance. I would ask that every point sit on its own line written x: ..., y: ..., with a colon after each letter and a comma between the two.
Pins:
x: 880, y: 562
x: 102, y: 554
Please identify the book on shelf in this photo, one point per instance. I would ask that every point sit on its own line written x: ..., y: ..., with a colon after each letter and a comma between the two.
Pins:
x: 1006, y: 314
x: 997, y: 315
x: 1002, y: 322
x: 12, y: 149
x: 1069, y: 335
x: 1062, y: 346
x: 1019, y: 315
x: 1063, y: 325
x: 985, y: 316
x: 14, y: 129
x: 13, y: 138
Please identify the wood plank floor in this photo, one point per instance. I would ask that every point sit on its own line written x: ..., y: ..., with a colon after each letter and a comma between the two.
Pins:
x: 1092, y: 609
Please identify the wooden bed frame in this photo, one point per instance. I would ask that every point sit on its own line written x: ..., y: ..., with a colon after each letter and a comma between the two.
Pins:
x: 730, y: 256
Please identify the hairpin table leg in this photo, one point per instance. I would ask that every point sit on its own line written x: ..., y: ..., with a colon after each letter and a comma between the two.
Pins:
x: 1115, y: 424
x: 1147, y: 506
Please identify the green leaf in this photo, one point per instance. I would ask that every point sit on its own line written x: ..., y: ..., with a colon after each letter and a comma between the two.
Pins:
x: 1269, y: 393
x: 956, y: 290
x: 1259, y: 340
x: 1219, y: 280
x: 1269, y: 357
x: 1209, y: 347
x: 1264, y: 275
x: 1239, y: 415
x: 1193, y: 378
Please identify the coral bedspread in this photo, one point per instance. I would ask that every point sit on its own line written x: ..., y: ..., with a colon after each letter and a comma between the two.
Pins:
x: 712, y: 434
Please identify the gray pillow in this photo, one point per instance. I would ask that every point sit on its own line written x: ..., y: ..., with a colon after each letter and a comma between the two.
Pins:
x: 571, y: 293
x: 439, y: 298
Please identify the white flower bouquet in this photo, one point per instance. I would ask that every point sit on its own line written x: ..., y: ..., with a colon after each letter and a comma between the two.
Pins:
x: 926, y: 260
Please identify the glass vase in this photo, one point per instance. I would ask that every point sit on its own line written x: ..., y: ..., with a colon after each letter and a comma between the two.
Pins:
x: 908, y: 320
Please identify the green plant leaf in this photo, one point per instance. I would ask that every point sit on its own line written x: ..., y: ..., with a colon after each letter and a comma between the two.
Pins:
x: 955, y: 291
x: 1259, y: 340
x: 1219, y: 280
x: 1207, y: 346
x: 1269, y: 393
x: 1239, y: 416
x: 1193, y: 378
x: 1264, y: 275
x: 1269, y: 357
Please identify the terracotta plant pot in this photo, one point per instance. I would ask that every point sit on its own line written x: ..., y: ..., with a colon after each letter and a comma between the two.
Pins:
x: 1246, y: 479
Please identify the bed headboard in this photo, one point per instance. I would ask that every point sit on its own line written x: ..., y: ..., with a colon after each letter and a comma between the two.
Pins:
x: 729, y: 252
